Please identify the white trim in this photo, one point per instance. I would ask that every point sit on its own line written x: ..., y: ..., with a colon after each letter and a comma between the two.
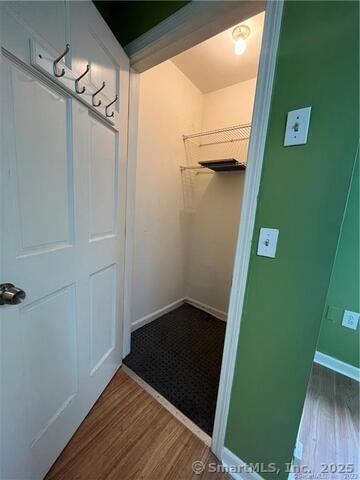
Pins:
x: 187, y: 27
x: 204, y: 437
x: 134, y: 89
x: 299, y: 448
x: 215, y: 312
x: 169, y: 308
x: 243, y: 471
x: 2, y: 317
x: 263, y: 95
x: 154, y: 315
x: 337, y: 365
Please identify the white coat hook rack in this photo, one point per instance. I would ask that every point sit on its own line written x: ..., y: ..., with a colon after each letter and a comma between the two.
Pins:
x: 55, y: 69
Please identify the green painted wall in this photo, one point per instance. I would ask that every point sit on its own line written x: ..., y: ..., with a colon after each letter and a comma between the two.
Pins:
x: 303, y: 193
x: 335, y: 340
x: 130, y: 19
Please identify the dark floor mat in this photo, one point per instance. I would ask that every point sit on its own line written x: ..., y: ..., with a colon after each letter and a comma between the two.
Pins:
x: 179, y: 355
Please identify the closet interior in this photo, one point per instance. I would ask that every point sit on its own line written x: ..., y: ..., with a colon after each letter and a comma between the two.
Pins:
x: 194, y: 126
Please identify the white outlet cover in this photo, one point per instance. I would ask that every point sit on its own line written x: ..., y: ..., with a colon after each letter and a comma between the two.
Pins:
x: 267, y: 242
x: 297, y: 127
x: 350, y: 319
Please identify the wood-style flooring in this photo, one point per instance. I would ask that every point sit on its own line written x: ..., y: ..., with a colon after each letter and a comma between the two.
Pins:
x: 329, y: 428
x: 128, y: 435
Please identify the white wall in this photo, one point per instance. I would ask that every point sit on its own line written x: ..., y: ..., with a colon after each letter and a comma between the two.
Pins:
x: 185, y: 226
x: 216, y: 204
x: 229, y: 106
x: 169, y: 105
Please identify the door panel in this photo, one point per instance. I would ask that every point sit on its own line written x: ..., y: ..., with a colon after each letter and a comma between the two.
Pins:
x: 39, y: 17
x: 51, y: 369
x: 102, y: 316
x: 45, y: 22
x: 63, y: 190
x: 37, y: 109
x: 89, y: 47
x: 103, y: 180
x: 102, y: 65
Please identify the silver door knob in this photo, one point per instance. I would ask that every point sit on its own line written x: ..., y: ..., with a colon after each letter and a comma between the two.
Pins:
x: 11, y: 295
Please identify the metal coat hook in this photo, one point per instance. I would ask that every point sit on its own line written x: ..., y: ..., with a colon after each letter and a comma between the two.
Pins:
x: 107, y: 106
x: 57, y: 60
x: 78, y: 80
x: 94, y: 94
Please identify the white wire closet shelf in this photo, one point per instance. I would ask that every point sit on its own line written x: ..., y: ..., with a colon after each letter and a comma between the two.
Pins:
x: 224, y: 149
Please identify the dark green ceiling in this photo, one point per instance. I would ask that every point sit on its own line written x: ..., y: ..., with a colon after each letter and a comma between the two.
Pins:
x: 128, y: 20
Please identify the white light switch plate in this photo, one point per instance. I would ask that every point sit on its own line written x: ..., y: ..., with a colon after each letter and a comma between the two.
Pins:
x: 350, y: 319
x: 267, y: 242
x: 297, y: 127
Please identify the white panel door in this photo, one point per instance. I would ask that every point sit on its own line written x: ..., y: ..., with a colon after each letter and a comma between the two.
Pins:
x: 62, y: 240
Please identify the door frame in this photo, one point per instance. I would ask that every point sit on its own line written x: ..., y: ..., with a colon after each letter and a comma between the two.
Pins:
x: 1, y: 241
x: 143, y: 54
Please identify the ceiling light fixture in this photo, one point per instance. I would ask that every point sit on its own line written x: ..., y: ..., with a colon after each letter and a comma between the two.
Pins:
x: 240, y: 34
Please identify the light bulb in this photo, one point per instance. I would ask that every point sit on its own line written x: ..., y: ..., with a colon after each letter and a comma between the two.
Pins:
x: 240, y: 46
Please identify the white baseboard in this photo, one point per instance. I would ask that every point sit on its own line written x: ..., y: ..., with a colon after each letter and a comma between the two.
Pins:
x: 153, y: 316
x: 207, y: 308
x: 237, y: 468
x: 172, y: 306
x: 241, y: 470
x: 337, y: 366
